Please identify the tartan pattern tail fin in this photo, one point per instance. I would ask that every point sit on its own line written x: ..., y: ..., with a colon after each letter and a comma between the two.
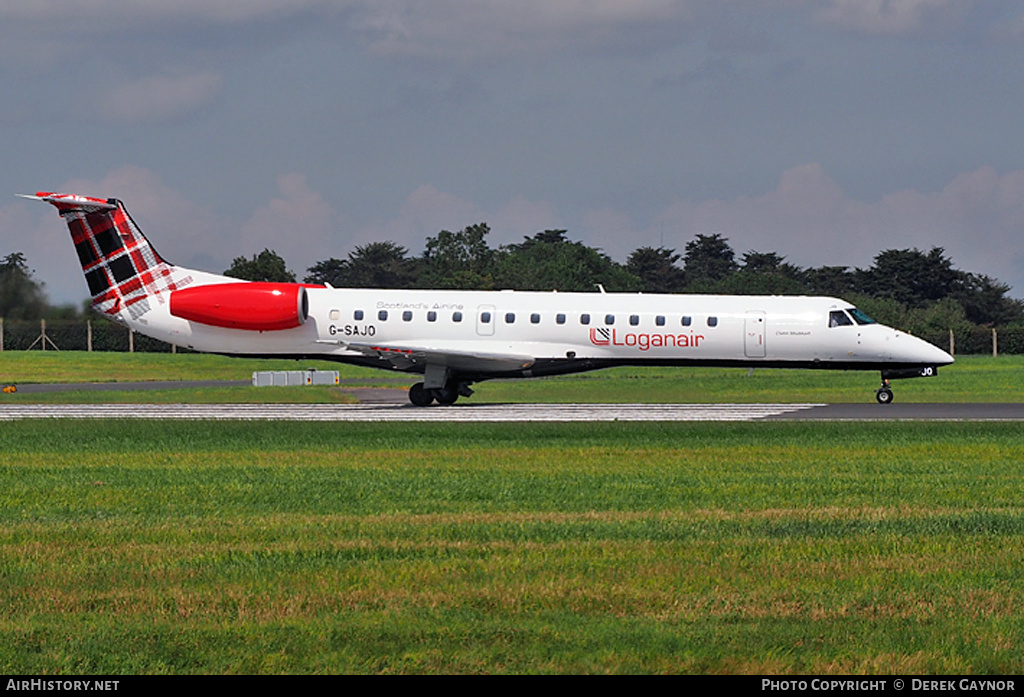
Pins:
x: 121, y: 268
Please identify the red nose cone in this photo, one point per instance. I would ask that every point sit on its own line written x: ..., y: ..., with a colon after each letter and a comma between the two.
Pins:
x: 251, y: 306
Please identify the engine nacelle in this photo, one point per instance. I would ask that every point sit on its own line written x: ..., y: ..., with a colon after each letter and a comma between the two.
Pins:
x: 253, y: 306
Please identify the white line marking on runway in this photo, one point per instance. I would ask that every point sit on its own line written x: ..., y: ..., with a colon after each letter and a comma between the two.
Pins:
x: 387, y: 412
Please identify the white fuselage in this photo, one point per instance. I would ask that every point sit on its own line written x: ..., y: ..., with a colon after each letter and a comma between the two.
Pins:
x: 572, y: 331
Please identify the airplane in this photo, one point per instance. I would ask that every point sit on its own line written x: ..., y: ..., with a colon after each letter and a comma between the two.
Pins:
x: 456, y: 338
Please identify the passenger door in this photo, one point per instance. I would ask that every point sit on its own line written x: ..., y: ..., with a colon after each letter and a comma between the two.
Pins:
x: 753, y: 335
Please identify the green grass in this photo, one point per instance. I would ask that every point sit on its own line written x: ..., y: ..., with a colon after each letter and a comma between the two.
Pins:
x: 82, y: 366
x: 229, y: 547
x: 970, y: 379
x: 198, y: 395
x: 156, y: 547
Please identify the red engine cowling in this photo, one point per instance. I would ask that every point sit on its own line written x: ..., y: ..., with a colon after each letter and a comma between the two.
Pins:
x: 253, y: 306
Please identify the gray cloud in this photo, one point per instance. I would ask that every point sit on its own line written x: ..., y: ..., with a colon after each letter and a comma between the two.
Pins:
x: 821, y: 129
x: 894, y: 16
x: 159, y: 98
x: 977, y: 218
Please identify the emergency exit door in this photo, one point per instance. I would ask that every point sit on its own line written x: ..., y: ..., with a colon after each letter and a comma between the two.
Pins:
x: 485, y: 320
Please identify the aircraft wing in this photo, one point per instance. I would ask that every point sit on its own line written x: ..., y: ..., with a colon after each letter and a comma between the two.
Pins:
x: 404, y: 356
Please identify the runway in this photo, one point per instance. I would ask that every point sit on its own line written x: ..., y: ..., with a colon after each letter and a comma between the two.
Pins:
x: 391, y: 404
x: 469, y: 412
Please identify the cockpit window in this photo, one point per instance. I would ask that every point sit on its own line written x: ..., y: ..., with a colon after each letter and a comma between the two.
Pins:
x: 838, y: 318
x: 859, y: 317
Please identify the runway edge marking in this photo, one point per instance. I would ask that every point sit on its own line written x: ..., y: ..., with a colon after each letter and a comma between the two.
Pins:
x: 376, y: 412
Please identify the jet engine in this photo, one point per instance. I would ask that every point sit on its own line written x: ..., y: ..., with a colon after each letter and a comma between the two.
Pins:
x: 256, y: 306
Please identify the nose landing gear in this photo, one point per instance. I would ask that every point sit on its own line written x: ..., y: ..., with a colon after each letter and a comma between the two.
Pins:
x: 884, y: 393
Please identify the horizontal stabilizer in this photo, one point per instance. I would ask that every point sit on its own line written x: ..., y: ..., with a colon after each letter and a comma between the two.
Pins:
x: 72, y: 201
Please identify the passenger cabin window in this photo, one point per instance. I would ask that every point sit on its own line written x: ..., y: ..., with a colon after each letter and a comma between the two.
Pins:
x: 431, y: 316
x: 712, y: 321
x: 485, y: 317
x: 358, y: 315
x: 838, y: 318
x: 634, y: 320
x: 687, y: 321
x: 584, y: 319
x: 456, y: 317
x: 382, y: 315
x: 510, y: 318
x: 559, y: 319
x: 535, y: 318
x: 609, y: 319
x: 335, y: 315
x: 660, y: 320
x: 407, y: 316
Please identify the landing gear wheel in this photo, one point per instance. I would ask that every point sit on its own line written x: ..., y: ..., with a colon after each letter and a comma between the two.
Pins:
x: 446, y: 396
x: 884, y: 395
x: 421, y: 396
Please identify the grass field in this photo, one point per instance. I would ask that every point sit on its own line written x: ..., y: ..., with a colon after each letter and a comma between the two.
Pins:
x: 133, y: 547
x: 81, y: 366
x: 970, y: 379
x: 156, y: 547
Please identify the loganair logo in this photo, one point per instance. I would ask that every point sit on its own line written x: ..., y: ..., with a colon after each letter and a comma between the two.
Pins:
x: 643, y: 341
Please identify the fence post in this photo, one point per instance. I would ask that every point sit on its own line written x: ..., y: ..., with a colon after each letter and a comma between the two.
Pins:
x: 42, y: 332
x: 1, y: 333
x: 995, y: 343
x: 952, y: 343
x: 88, y: 335
x: 131, y: 341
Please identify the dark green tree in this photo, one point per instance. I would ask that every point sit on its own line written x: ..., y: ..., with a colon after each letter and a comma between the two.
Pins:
x: 910, y: 276
x: 768, y: 262
x: 458, y: 260
x: 936, y: 320
x: 985, y: 301
x: 372, y: 265
x: 835, y: 281
x: 708, y: 259
x: 328, y: 271
x: 763, y: 273
x: 656, y: 269
x: 21, y: 296
x: 265, y: 266
x: 550, y: 261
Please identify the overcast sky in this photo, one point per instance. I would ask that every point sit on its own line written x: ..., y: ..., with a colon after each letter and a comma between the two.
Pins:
x: 824, y: 130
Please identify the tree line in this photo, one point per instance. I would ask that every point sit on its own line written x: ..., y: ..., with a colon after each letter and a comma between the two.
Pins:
x: 919, y: 291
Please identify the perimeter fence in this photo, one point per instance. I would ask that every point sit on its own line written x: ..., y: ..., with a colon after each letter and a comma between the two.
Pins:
x: 76, y: 335
x: 980, y: 340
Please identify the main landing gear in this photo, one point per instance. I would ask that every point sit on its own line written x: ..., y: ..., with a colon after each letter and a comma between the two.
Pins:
x: 422, y: 396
